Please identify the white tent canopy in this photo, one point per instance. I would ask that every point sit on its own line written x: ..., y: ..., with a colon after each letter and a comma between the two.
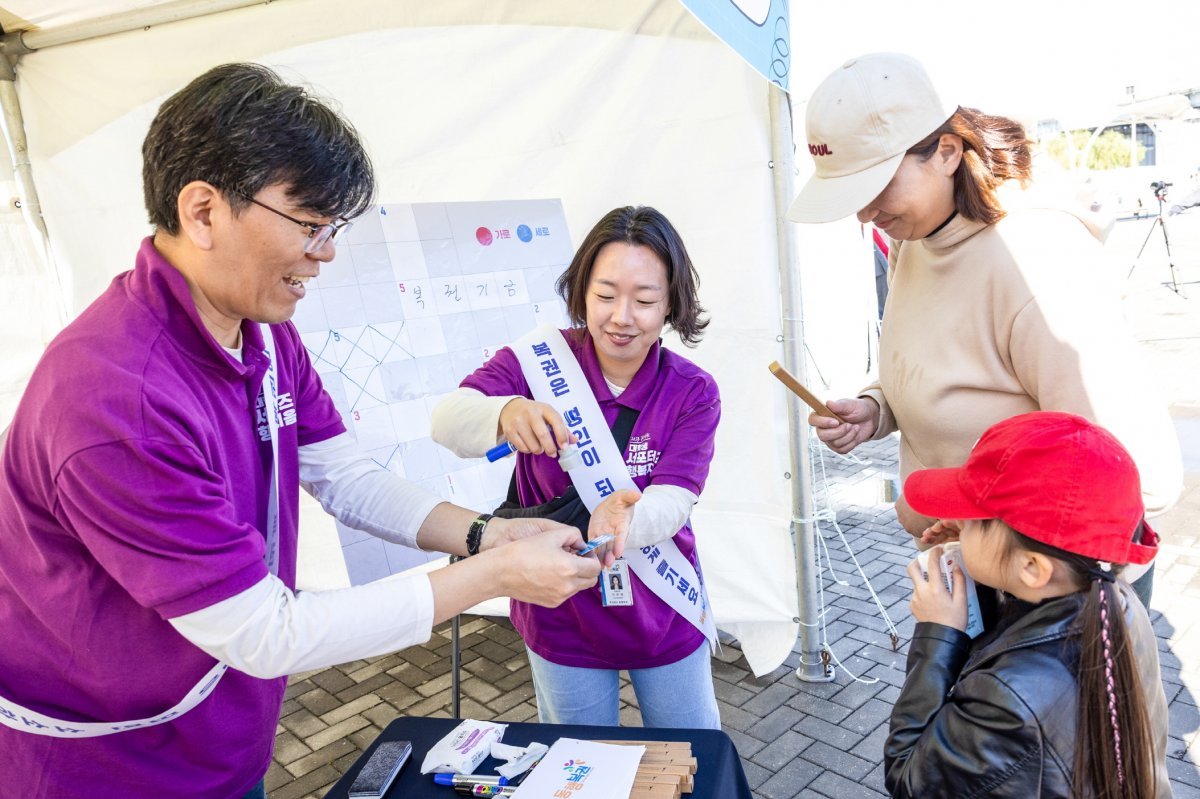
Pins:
x: 598, y: 104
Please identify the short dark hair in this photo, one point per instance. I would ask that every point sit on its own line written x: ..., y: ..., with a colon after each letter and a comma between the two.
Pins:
x: 645, y: 227
x: 241, y: 128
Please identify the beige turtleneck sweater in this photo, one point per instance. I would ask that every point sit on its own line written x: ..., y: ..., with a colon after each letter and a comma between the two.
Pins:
x: 986, y: 322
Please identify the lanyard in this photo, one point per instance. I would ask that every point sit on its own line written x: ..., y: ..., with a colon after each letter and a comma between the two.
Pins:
x: 25, y: 720
x: 270, y: 395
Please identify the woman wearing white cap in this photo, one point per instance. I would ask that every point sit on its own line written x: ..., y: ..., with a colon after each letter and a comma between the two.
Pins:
x: 990, y: 314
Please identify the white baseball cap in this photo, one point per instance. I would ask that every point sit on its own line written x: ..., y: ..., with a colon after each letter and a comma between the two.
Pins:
x: 860, y: 122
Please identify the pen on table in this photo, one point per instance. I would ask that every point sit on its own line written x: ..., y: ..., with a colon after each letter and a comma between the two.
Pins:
x: 485, y: 790
x: 470, y: 779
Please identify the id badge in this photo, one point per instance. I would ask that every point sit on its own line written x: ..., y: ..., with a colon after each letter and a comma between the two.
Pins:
x: 615, y: 590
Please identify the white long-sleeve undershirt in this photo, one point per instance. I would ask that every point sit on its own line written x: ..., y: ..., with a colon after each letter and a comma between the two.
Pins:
x: 268, y: 630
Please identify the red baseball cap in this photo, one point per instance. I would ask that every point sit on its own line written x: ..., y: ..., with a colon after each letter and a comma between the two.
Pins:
x: 1052, y: 476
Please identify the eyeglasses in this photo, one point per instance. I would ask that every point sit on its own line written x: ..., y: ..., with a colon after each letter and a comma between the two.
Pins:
x: 317, y: 234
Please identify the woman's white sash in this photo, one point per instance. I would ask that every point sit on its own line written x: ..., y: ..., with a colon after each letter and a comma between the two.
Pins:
x: 555, y: 378
x: 25, y: 720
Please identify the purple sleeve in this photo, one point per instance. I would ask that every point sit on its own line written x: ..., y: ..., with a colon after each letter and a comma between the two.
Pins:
x: 501, y: 376
x: 688, y: 452
x: 318, y: 419
x: 158, y: 520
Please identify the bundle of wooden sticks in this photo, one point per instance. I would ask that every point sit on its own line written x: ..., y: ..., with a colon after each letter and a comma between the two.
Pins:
x: 666, y: 771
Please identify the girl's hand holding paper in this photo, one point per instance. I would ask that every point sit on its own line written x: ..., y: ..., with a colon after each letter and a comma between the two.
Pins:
x: 932, y: 601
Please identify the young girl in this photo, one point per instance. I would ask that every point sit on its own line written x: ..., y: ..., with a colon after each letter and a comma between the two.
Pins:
x: 630, y: 277
x: 1063, y: 698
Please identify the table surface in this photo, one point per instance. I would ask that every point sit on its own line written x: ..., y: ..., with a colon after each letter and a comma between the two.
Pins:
x: 719, y: 772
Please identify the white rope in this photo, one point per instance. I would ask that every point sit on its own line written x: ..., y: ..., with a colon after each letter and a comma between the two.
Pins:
x: 853, y: 676
x: 828, y: 515
x: 815, y: 443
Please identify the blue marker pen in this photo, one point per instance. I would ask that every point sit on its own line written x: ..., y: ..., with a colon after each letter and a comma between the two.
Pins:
x: 469, y: 779
x: 501, y: 450
x: 568, y: 456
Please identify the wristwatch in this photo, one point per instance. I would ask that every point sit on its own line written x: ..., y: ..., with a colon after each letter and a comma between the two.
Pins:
x: 475, y: 532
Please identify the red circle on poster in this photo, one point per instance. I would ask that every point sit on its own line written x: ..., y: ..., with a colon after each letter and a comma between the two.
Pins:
x: 483, y: 236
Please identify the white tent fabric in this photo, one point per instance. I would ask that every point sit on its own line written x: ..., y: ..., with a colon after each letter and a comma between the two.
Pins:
x: 599, y: 104
x: 29, y: 295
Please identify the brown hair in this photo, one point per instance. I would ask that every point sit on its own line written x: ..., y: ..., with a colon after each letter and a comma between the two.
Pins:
x: 645, y: 227
x: 995, y: 149
x: 1111, y: 702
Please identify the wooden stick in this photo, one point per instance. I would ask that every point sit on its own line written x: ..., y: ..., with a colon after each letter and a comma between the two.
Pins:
x: 800, y: 391
x: 650, y: 776
x: 654, y: 792
x: 652, y: 744
x: 657, y: 789
x: 673, y: 780
x: 684, y: 773
x: 669, y: 760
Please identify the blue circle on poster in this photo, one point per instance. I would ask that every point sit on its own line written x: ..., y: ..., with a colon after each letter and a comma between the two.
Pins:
x: 524, y: 233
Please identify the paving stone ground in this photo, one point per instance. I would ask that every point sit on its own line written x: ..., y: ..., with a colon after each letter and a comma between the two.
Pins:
x: 800, y: 739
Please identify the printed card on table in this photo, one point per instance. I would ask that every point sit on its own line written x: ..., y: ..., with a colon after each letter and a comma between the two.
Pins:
x: 575, y: 769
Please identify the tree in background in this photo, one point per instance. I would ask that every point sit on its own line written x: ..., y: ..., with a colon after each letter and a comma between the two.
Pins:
x: 1109, y: 151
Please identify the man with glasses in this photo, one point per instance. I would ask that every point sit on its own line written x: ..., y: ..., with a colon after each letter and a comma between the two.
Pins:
x: 149, y: 486
x: 317, y: 234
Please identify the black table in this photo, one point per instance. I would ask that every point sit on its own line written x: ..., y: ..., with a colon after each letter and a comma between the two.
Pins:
x: 719, y: 772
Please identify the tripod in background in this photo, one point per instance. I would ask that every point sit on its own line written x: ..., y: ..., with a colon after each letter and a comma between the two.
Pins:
x: 1160, y: 193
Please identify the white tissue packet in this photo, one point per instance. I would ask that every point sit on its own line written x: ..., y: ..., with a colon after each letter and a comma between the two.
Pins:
x: 951, y: 556
x: 520, y: 758
x: 463, y: 748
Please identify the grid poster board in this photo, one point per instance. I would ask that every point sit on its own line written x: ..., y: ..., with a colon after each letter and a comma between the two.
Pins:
x: 418, y: 297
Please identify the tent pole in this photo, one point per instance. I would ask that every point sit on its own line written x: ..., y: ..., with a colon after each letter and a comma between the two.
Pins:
x: 812, y: 666
x: 19, y: 43
x: 18, y: 150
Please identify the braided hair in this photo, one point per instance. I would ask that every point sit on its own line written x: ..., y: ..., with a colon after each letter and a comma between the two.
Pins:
x: 1114, y: 754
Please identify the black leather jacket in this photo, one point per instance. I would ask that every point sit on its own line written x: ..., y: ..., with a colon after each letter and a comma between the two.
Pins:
x: 997, y: 717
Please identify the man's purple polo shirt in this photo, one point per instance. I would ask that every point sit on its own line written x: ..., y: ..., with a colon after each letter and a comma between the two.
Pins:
x: 671, y: 444
x: 134, y: 490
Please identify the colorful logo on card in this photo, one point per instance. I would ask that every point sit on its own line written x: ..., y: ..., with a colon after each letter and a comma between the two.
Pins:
x: 524, y: 233
x: 577, y: 773
x: 483, y: 236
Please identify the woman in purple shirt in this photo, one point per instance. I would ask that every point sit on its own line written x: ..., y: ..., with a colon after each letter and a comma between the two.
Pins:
x: 631, y: 276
